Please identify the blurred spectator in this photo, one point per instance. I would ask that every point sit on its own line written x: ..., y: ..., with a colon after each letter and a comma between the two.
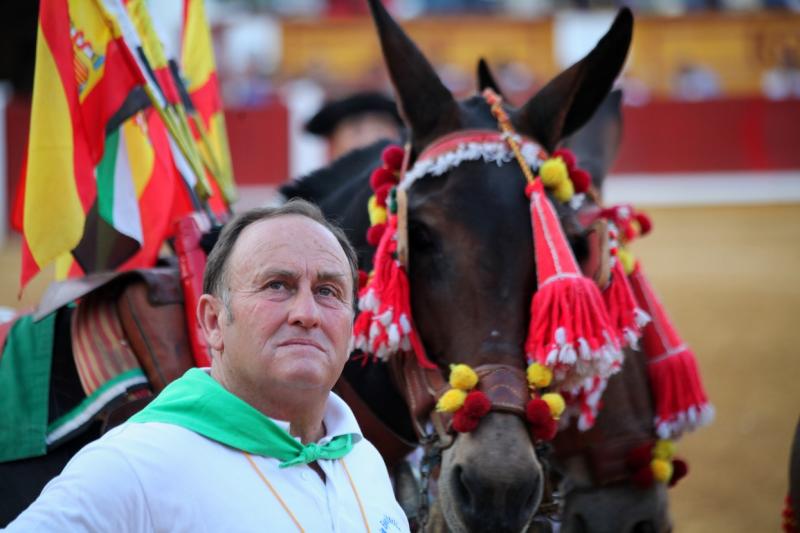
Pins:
x: 635, y: 92
x: 783, y: 81
x: 695, y: 82
x: 250, y: 52
x: 356, y: 121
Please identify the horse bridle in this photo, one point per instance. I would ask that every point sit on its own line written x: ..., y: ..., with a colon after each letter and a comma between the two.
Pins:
x: 505, y: 386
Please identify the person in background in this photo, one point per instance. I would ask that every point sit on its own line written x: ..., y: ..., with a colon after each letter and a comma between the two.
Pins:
x: 257, y: 441
x: 356, y: 121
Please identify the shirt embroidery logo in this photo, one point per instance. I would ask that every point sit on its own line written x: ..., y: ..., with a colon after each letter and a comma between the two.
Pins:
x: 389, y: 524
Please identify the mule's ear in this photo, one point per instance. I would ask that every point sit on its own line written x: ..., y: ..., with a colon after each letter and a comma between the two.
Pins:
x: 425, y: 103
x: 596, y: 143
x: 567, y: 102
x: 486, y: 79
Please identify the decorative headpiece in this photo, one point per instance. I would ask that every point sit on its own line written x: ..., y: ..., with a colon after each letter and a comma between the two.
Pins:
x: 570, y: 337
x: 656, y: 463
x: 384, y: 324
x: 570, y: 331
x: 681, y: 403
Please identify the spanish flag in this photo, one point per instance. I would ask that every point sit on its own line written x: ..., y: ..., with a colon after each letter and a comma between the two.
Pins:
x: 198, y: 67
x: 99, y: 184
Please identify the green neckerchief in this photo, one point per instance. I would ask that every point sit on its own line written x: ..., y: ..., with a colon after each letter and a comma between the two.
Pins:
x: 196, y: 401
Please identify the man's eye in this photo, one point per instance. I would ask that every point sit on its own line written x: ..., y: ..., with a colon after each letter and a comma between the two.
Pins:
x: 327, y: 291
x: 275, y: 285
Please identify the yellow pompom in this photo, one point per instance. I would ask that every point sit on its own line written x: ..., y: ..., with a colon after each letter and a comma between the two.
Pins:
x: 539, y: 376
x: 377, y: 214
x: 662, y: 470
x: 664, y: 449
x: 462, y: 377
x: 555, y: 402
x: 451, y: 401
x: 564, y: 191
x: 553, y: 172
x: 627, y: 260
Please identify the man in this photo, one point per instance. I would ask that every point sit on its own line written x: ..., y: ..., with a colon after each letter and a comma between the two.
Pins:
x: 258, y: 442
x: 356, y: 121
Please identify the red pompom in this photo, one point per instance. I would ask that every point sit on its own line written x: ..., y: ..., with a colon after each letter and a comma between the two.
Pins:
x: 382, y: 193
x: 381, y: 177
x: 464, y: 423
x: 543, y: 427
x: 643, y: 478
x: 393, y: 156
x: 476, y: 404
x: 375, y: 233
x: 640, y: 457
x: 567, y: 156
x: 628, y: 233
x: 363, y: 277
x: 679, y: 470
x: 644, y: 222
x: 580, y: 180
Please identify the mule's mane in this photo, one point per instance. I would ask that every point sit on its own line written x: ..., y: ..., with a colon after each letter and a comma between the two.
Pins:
x: 324, y: 182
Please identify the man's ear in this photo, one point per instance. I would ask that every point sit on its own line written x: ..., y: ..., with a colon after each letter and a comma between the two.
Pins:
x: 209, y: 315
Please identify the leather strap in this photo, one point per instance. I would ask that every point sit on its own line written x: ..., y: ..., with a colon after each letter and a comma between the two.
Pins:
x: 504, y: 385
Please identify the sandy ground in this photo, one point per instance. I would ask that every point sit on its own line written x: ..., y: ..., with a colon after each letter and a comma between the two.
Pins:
x: 730, y: 277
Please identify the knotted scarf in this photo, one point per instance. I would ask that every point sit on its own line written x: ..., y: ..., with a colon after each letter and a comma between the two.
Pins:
x: 197, y: 402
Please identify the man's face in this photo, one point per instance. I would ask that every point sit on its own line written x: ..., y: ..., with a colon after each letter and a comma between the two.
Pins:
x: 290, y: 302
x: 362, y: 130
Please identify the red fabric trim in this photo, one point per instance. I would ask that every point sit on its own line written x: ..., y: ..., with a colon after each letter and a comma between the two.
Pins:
x: 450, y: 142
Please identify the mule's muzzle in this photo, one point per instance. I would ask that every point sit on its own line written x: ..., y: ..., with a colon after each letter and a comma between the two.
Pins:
x: 495, y: 480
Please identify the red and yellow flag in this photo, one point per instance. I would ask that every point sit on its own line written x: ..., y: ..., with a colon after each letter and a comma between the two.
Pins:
x: 198, y: 67
x: 100, y: 184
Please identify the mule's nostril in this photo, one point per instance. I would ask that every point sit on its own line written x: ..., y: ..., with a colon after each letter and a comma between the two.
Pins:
x: 644, y: 526
x: 462, y: 490
x: 534, y: 495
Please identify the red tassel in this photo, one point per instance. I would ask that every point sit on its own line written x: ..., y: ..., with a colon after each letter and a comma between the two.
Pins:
x: 568, y: 316
x: 543, y: 426
x: 623, y: 310
x: 680, y: 398
x: 384, y: 325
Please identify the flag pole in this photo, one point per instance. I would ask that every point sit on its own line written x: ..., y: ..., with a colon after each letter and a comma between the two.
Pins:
x: 201, y: 190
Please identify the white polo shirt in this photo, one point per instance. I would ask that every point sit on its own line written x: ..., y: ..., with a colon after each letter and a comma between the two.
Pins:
x: 143, y: 477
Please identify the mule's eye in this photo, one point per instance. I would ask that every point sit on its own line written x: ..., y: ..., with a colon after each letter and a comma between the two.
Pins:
x: 420, y: 237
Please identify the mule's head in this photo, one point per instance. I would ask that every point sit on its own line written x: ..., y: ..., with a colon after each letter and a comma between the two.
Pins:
x: 471, y: 265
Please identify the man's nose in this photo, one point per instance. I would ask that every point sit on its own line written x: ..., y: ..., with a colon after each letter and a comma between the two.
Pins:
x: 304, y: 310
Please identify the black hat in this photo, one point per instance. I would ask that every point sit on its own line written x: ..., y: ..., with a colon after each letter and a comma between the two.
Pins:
x: 334, y: 111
